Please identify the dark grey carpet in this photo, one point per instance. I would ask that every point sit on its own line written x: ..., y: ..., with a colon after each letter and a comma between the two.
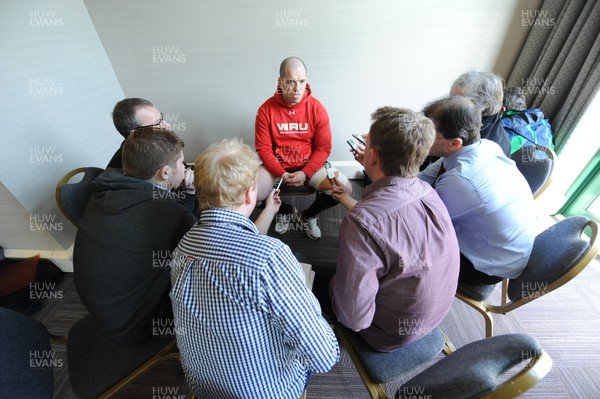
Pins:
x: 567, y: 323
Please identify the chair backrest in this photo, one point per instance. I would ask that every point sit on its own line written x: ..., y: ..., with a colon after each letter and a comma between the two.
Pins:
x: 473, y: 371
x: 72, y: 198
x: 536, y: 163
x: 559, y: 254
x: 26, y: 359
x: 109, y: 364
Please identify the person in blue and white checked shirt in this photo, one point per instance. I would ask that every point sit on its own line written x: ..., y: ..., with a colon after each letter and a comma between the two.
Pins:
x: 247, y: 326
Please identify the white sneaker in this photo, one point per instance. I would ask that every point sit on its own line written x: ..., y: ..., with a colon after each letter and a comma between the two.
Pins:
x: 312, y: 230
x: 282, y: 224
x: 283, y: 220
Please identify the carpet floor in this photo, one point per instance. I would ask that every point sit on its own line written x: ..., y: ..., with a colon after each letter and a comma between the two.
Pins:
x: 566, y: 322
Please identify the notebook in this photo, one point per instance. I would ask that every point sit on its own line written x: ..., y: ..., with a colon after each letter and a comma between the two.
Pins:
x: 309, y: 274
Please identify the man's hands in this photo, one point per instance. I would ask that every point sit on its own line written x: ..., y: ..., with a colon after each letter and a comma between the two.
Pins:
x: 272, y: 204
x: 273, y: 201
x: 359, y: 155
x: 295, y: 179
x: 187, y: 184
x: 339, y: 193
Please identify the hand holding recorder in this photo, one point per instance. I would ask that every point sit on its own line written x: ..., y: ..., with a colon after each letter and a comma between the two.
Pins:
x: 358, y: 150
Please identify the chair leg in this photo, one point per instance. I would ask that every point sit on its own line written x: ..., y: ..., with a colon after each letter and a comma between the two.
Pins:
x: 375, y: 390
x: 487, y: 316
x: 448, y: 346
x: 504, y: 294
x: 168, y: 353
x: 489, y: 324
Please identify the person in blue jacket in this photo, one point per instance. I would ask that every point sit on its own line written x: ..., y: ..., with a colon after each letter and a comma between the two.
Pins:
x: 523, y: 126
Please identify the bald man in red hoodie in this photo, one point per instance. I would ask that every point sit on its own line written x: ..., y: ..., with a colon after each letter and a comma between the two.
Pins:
x: 293, y: 140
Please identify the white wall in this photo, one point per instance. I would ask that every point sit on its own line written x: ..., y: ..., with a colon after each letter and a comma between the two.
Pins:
x: 360, y: 55
x: 65, y: 63
x: 57, y: 90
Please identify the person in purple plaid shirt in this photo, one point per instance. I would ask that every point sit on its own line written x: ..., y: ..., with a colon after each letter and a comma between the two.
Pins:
x: 397, y: 269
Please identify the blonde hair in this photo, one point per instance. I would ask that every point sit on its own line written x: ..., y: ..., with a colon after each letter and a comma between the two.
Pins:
x: 224, y: 172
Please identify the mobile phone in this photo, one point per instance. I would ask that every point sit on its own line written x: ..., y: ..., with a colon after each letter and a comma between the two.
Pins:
x: 277, y: 183
x: 352, y: 145
x: 330, y: 174
x: 360, y: 139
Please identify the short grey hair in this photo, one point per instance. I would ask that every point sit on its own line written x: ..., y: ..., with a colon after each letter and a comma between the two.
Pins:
x: 485, y: 88
x: 514, y: 99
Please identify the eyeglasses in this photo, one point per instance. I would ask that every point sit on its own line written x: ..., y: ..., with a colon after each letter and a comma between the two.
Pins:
x: 157, y: 124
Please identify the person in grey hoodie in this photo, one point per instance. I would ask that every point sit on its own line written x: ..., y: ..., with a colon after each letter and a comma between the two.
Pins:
x: 133, y: 221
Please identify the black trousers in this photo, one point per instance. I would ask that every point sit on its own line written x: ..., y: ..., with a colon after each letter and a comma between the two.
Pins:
x: 469, y: 275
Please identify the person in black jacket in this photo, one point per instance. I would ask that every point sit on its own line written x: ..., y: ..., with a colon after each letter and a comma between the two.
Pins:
x: 133, y: 221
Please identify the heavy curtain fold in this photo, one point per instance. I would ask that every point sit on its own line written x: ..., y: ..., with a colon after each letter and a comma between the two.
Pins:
x: 558, y: 66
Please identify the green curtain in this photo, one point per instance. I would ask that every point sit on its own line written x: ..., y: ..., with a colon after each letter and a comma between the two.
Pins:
x: 558, y: 66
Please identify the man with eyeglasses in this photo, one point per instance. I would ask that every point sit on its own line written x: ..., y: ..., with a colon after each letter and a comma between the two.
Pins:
x: 132, y: 113
x: 138, y: 113
x: 293, y: 141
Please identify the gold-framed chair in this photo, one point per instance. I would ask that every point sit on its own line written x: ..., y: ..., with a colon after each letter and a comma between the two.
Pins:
x: 537, y: 164
x: 72, y: 198
x: 471, y: 371
x: 559, y: 254
x: 475, y: 370
x: 100, y: 367
x: 376, y: 368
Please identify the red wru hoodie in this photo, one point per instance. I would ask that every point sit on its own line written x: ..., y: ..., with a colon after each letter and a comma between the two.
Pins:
x: 292, y: 137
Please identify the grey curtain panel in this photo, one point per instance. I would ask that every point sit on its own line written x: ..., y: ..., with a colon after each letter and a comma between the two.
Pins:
x: 558, y: 65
